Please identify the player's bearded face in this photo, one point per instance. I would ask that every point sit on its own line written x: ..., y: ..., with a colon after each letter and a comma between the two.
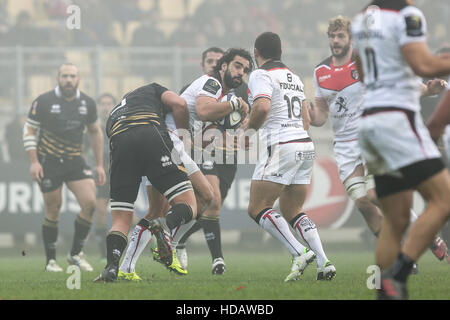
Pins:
x: 68, y: 83
x: 230, y: 81
x: 339, y: 43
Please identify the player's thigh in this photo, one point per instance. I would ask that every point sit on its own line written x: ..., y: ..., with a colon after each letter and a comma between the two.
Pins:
x: 262, y: 195
x: 216, y: 202
x: 126, y: 169
x: 202, y: 186
x: 292, y: 199
x: 436, y: 190
x: 84, y: 191
x: 396, y: 208
x: 227, y: 173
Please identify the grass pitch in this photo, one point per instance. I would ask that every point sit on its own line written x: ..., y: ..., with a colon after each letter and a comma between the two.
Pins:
x: 249, y: 276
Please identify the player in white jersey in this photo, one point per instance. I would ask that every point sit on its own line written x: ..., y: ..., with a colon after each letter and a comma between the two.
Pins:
x: 285, y: 162
x: 339, y: 96
x: 390, y: 37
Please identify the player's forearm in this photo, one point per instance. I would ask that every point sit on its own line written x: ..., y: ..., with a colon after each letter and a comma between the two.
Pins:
x: 318, y: 113
x: 440, y: 118
x: 181, y: 118
x: 32, y: 155
x: 259, y: 113
x: 213, y: 111
x: 305, y: 116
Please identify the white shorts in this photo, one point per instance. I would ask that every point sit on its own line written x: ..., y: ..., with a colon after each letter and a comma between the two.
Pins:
x: 188, y: 163
x: 288, y: 163
x: 348, y: 156
x: 393, y: 138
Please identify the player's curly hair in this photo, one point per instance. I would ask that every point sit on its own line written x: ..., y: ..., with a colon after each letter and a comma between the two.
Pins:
x: 229, y: 55
x: 338, y: 23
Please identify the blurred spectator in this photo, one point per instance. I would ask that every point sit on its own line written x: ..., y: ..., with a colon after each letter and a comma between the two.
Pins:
x: 25, y: 33
x: 13, y: 139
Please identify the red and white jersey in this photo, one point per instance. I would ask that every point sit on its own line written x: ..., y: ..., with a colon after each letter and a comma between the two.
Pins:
x: 379, y: 33
x: 205, y: 85
x: 343, y: 93
x: 286, y: 92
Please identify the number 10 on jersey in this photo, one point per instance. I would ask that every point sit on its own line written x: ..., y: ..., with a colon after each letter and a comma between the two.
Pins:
x: 294, y: 106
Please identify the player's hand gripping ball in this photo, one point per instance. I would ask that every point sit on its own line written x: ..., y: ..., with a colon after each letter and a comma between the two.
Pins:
x: 232, y: 120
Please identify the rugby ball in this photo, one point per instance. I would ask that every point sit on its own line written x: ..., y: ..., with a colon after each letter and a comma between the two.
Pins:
x: 232, y: 120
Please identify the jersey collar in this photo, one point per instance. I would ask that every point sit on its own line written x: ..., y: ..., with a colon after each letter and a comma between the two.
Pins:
x: 58, y: 92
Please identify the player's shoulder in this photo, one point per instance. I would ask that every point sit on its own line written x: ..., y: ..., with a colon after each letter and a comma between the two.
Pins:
x: 324, y: 63
x: 46, y: 96
x: 89, y: 100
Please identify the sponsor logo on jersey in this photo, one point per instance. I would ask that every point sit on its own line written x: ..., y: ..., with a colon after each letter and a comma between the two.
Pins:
x: 323, y: 78
x: 413, y: 26
x: 207, y: 165
x: 82, y: 109
x: 56, y: 108
x: 165, y: 161
x: 211, y: 86
x: 355, y: 74
x: 341, y: 102
x: 290, y: 86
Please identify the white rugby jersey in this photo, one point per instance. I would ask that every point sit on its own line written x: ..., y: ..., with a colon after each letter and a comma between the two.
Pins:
x: 378, y: 35
x: 343, y: 92
x: 286, y: 91
x: 205, y: 85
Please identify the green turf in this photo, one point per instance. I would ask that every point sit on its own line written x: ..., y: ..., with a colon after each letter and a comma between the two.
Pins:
x: 249, y: 276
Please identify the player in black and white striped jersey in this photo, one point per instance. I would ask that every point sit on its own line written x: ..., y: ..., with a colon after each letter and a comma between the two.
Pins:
x: 140, y: 146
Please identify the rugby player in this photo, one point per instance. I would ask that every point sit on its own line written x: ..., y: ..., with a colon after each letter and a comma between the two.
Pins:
x: 339, y: 96
x: 53, y: 137
x: 224, y: 172
x: 140, y: 145
x: 284, y: 167
x: 390, y: 38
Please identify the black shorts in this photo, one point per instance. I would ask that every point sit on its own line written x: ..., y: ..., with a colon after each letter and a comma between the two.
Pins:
x: 408, y: 178
x: 59, y: 170
x: 144, y: 150
x: 225, y: 173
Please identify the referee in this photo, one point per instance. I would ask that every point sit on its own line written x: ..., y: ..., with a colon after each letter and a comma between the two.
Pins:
x: 52, y: 139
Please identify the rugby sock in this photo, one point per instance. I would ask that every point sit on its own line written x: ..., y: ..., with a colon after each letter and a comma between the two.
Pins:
x: 194, y: 228
x: 82, y: 228
x: 50, y: 235
x: 211, y: 230
x: 140, y: 236
x: 277, y: 226
x: 179, y: 214
x: 116, y: 242
x: 180, y: 233
x: 306, y: 229
x: 402, y: 267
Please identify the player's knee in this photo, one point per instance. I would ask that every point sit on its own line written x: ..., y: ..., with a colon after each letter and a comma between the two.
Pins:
x: 356, y: 188
x: 52, y: 209
x: 88, y: 207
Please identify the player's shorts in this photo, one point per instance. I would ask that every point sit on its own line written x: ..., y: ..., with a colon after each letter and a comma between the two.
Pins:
x: 144, y: 150
x: 58, y: 171
x: 348, y: 156
x: 225, y: 173
x: 286, y: 163
x: 397, y: 148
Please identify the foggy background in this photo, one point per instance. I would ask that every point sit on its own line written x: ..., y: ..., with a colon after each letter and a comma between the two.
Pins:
x: 123, y: 44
